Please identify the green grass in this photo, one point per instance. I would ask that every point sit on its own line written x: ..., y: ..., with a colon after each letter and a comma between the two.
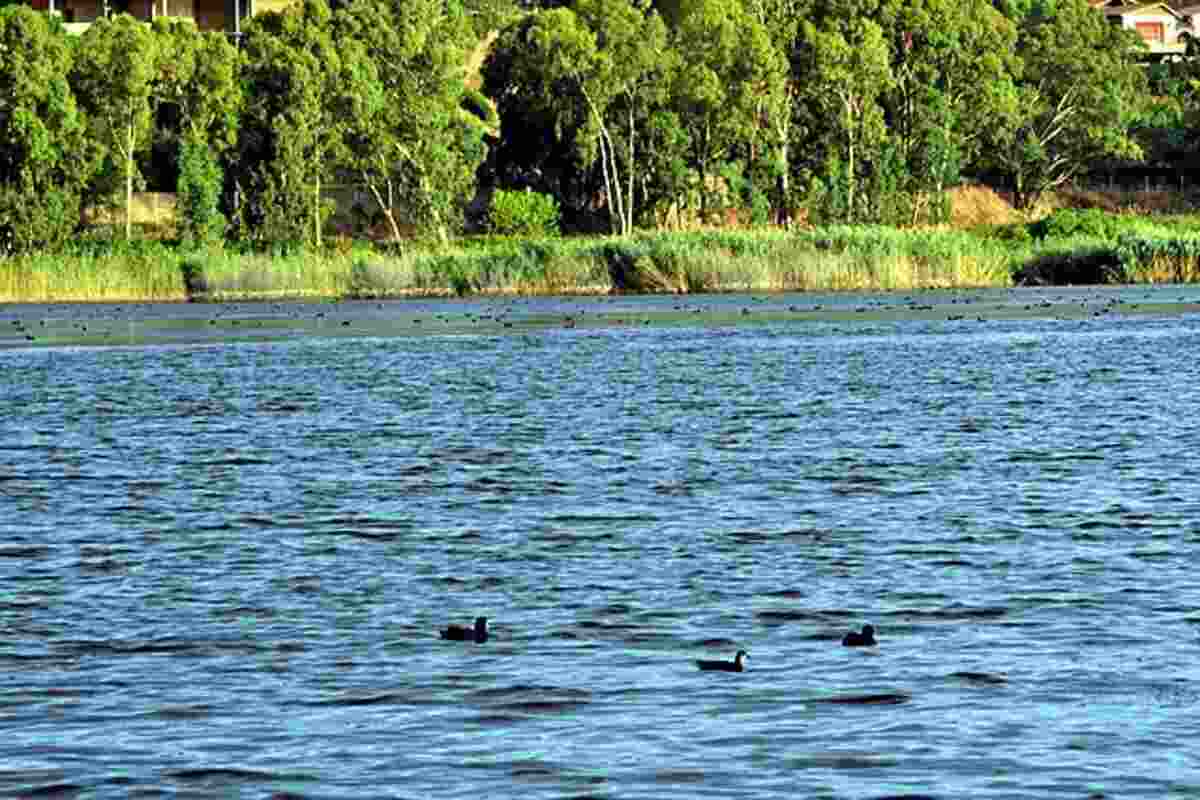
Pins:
x: 1159, y: 257
x: 91, y: 278
x: 834, y: 258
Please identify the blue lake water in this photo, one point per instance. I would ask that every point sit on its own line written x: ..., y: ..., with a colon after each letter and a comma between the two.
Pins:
x: 224, y: 562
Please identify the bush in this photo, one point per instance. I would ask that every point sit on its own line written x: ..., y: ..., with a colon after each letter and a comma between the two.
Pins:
x: 200, y: 219
x: 1067, y: 222
x: 523, y: 214
x: 1002, y: 232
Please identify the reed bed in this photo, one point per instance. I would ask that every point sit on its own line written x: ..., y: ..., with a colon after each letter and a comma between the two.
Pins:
x: 829, y: 259
x: 91, y: 278
x: 1160, y: 258
x: 835, y: 258
x: 226, y: 275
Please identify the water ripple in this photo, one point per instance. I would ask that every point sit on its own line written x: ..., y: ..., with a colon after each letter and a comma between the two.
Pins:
x: 225, y: 564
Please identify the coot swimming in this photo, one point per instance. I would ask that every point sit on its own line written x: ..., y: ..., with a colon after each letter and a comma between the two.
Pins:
x: 459, y: 633
x: 864, y: 639
x: 724, y: 666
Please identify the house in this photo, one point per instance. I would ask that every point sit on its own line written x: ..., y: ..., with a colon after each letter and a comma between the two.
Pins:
x: 1189, y: 12
x: 1164, y: 29
x: 209, y: 15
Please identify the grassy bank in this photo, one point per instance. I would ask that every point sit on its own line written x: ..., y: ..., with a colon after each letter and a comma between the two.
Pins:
x: 92, y: 278
x: 828, y: 259
x: 840, y: 258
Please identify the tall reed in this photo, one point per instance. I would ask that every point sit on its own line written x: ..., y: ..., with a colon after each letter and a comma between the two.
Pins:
x: 1160, y: 258
x: 835, y: 258
x: 86, y: 277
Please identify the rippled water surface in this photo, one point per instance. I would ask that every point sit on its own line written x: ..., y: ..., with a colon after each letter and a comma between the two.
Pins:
x: 224, y: 563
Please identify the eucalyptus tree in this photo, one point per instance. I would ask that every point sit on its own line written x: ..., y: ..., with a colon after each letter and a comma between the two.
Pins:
x: 307, y: 90
x: 592, y: 75
x: 950, y: 60
x: 114, y: 75
x: 778, y: 109
x: 418, y: 148
x: 1072, y: 102
x: 199, y: 85
x: 46, y: 157
x: 731, y: 71
x: 848, y: 72
x: 538, y: 129
x: 630, y: 77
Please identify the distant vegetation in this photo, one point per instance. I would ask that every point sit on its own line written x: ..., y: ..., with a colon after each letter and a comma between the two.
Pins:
x: 610, y: 117
x: 838, y: 257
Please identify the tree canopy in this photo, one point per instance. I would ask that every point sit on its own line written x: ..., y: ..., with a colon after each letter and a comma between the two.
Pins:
x: 46, y: 155
x: 628, y: 112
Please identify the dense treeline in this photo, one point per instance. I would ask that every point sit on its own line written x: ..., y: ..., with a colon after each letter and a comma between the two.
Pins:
x: 371, y: 93
x: 856, y: 110
x: 626, y: 112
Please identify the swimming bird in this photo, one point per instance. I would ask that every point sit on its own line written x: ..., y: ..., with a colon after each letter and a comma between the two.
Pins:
x: 459, y: 633
x: 724, y: 666
x: 864, y: 639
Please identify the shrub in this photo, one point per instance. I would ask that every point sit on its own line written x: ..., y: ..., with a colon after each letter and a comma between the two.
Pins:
x: 1003, y: 232
x: 1066, y: 222
x: 523, y: 214
x: 200, y: 219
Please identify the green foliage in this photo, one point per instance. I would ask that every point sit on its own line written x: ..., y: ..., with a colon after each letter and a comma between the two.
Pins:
x: 887, y: 200
x: 93, y: 272
x: 201, y: 222
x: 117, y: 64
x: 1159, y: 257
x: 731, y: 72
x: 199, y: 81
x: 1011, y: 232
x: 583, y: 83
x: 474, y: 102
x: 46, y: 159
x: 848, y: 72
x: 311, y: 91
x: 1070, y: 104
x: 418, y: 147
x: 874, y: 108
x: 1069, y: 222
x: 523, y: 214
x: 1091, y: 223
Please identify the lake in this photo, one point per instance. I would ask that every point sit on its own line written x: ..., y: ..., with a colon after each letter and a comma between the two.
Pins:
x: 229, y: 536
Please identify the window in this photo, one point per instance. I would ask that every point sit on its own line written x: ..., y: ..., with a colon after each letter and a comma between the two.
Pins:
x: 1150, y: 31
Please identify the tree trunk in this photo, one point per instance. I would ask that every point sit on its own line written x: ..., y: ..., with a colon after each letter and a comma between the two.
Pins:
x: 611, y: 179
x: 628, y: 222
x: 384, y: 206
x: 850, y: 180
x: 317, y: 213
x: 784, y: 186
x: 129, y: 140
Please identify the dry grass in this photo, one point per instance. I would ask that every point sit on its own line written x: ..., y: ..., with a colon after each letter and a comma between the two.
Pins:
x: 973, y: 205
x: 151, y: 212
x: 1165, y: 269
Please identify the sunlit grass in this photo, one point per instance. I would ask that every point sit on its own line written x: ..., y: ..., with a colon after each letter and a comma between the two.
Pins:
x: 1157, y: 257
x: 834, y: 258
x: 46, y: 278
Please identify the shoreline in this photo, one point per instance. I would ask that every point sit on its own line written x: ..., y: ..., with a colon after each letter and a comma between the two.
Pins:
x: 766, y: 261
x: 141, y: 324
